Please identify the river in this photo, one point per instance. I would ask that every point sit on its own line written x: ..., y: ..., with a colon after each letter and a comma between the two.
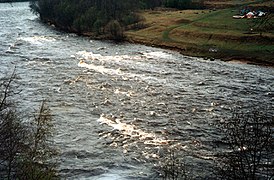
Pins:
x: 117, y: 107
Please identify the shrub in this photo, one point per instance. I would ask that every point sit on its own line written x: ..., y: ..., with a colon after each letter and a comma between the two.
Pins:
x: 114, y: 31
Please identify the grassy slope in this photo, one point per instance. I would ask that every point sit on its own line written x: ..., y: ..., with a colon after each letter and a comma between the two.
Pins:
x: 198, y: 32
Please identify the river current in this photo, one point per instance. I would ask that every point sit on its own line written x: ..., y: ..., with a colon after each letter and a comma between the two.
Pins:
x: 117, y: 107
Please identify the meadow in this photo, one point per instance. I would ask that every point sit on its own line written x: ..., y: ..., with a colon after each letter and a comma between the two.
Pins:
x: 212, y: 32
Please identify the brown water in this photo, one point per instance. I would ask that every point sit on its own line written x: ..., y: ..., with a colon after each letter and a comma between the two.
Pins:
x: 117, y: 107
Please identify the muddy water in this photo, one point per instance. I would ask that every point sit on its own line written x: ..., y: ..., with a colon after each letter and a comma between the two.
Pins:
x: 118, y: 107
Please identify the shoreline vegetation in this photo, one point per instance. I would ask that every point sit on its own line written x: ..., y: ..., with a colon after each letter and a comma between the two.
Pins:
x: 205, y: 30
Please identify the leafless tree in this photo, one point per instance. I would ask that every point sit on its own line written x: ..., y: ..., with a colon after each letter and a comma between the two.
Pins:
x: 26, y: 150
x: 172, y: 167
x: 249, y: 137
x: 11, y: 130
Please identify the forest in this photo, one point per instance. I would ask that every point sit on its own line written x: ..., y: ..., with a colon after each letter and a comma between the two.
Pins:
x: 101, y: 18
x: 11, y: 1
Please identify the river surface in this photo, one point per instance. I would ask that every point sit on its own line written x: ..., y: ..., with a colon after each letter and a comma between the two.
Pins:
x: 118, y: 107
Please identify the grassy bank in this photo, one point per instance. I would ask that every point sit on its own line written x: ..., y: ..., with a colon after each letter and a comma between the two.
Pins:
x: 207, y: 33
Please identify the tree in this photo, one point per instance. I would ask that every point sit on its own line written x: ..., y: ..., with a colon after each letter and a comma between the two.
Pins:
x: 26, y: 151
x: 37, y: 159
x: 12, y: 133
x: 172, y: 167
x: 11, y: 130
x: 151, y: 4
x: 83, y: 16
x: 249, y: 137
x: 115, y: 31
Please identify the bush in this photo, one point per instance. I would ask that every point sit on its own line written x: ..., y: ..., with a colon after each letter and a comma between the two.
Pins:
x: 114, y: 31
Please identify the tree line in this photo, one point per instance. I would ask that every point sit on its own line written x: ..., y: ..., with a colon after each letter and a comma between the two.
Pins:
x: 11, y: 1
x: 105, y: 18
x: 99, y: 17
x: 178, y: 4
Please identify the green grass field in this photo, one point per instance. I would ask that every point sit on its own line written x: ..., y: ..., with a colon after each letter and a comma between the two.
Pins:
x: 197, y: 32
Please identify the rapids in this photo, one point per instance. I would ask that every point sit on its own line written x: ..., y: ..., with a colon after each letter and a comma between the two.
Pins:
x: 117, y: 107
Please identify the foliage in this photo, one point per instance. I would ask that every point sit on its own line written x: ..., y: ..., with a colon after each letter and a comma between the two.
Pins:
x: 115, y: 31
x: 151, y: 4
x: 250, y: 140
x: 88, y: 16
x: 11, y: 1
x: 96, y: 16
x: 180, y: 4
x: 26, y: 150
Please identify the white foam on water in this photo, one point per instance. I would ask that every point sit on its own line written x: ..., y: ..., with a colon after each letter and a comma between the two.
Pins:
x: 119, y: 72
x: 121, y: 61
x: 157, y: 54
x: 110, y: 177
x: 133, y: 131
x: 127, y: 93
x: 85, y: 55
x: 37, y: 40
x: 103, y: 70
x: 10, y: 51
x: 147, y: 55
x: 88, y: 55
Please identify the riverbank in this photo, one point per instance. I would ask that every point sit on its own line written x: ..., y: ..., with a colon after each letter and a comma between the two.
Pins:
x: 212, y: 34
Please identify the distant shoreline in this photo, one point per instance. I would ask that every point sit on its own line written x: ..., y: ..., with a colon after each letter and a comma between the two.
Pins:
x: 210, y: 34
x: 229, y: 59
x: 153, y: 35
x: 181, y: 50
x: 194, y: 53
x: 191, y: 33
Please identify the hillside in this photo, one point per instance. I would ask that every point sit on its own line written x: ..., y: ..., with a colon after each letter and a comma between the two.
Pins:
x: 212, y: 33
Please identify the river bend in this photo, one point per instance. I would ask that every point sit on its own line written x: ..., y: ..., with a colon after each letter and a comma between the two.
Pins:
x: 117, y: 107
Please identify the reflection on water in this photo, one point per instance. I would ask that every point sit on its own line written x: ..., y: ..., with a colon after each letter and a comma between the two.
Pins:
x: 118, y: 107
